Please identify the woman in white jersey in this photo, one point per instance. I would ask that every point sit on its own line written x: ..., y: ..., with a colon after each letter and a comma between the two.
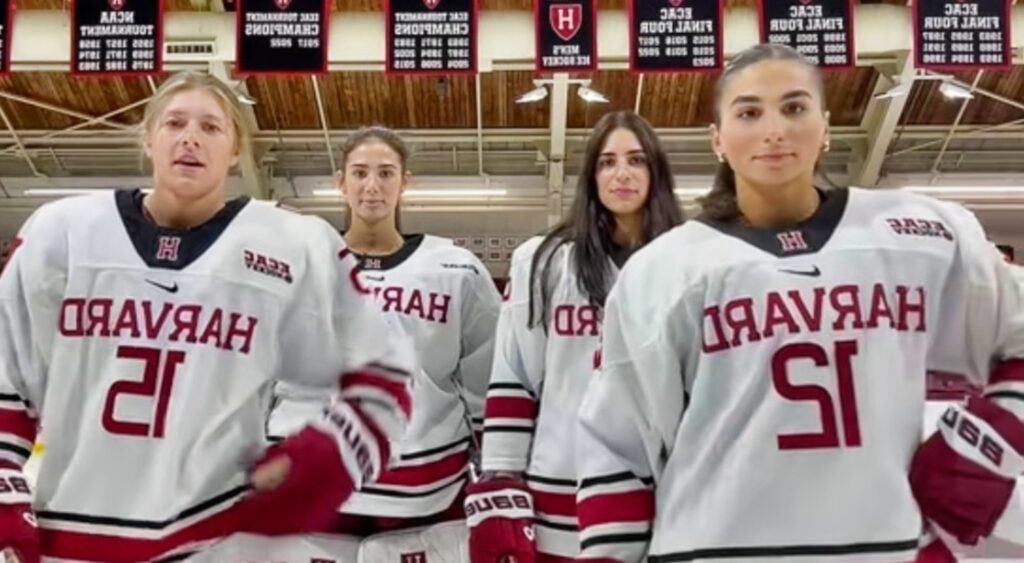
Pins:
x: 444, y: 298
x: 548, y: 336
x: 140, y: 335
x: 764, y: 365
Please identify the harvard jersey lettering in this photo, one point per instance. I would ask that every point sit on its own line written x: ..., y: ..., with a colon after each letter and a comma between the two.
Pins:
x: 768, y: 397
x: 130, y: 318
x: 150, y: 357
x: 442, y: 297
x: 549, y: 366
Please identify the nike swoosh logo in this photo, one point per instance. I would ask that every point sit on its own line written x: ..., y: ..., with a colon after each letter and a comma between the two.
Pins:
x: 812, y: 273
x: 374, y: 278
x: 169, y: 288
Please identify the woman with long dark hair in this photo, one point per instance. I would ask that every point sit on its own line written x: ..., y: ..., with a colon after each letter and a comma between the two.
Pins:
x: 548, y: 334
x: 764, y: 401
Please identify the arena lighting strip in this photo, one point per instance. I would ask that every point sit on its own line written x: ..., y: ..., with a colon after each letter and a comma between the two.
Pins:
x: 428, y: 194
x: 60, y: 192
x: 454, y: 193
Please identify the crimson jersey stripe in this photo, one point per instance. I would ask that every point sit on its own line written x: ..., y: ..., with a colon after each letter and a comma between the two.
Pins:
x: 510, y: 407
x: 555, y: 504
x: 1008, y: 371
x: 88, y: 546
x: 18, y: 423
x: 629, y: 506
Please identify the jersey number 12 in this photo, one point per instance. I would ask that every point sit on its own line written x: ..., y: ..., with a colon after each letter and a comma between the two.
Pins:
x: 158, y: 370
x: 829, y: 437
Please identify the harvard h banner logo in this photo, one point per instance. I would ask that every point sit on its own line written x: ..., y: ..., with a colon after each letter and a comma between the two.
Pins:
x: 116, y: 4
x: 792, y: 241
x: 431, y: 4
x: 282, y: 4
x: 167, y: 248
x: 566, y: 20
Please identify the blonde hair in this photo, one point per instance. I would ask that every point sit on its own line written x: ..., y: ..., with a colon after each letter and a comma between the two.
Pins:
x: 186, y: 81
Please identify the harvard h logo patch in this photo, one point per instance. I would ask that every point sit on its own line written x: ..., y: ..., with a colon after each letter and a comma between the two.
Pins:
x: 566, y: 20
x: 167, y: 248
x: 792, y: 241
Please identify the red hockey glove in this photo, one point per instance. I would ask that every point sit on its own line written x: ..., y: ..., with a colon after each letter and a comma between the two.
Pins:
x: 313, y: 486
x: 323, y: 472
x: 964, y: 474
x: 935, y: 552
x: 499, y: 514
x: 18, y: 529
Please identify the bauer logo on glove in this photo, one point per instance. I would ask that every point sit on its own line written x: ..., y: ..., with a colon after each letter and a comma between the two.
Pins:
x: 499, y: 515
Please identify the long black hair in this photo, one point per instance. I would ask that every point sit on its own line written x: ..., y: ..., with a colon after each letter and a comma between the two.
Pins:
x: 720, y: 203
x: 590, y: 225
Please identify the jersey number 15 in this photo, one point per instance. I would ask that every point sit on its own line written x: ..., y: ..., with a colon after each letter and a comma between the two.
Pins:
x: 158, y: 370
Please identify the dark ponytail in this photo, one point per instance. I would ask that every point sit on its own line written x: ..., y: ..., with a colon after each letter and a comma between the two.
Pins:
x: 720, y: 203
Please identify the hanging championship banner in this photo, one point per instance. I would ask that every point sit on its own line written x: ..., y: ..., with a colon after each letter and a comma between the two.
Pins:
x: 116, y: 37
x: 822, y: 30
x: 961, y: 35
x: 675, y: 35
x: 281, y: 36
x: 566, y: 32
x: 431, y: 36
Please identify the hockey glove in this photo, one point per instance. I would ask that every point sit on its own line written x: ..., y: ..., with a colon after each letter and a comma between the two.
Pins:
x: 329, y: 459
x: 499, y: 514
x: 935, y: 552
x: 964, y: 474
x: 18, y: 529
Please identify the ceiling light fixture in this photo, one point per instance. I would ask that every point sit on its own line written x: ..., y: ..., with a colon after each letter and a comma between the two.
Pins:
x: 590, y: 95
x: 955, y: 92
x: 535, y: 95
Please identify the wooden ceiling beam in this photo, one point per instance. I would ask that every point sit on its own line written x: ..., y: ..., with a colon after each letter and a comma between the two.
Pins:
x: 880, y: 121
x: 256, y: 178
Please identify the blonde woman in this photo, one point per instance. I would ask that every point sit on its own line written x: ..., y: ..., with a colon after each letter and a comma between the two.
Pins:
x: 141, y: 334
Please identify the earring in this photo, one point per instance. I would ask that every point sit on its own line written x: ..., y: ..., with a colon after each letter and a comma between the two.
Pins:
x: 826, y: 145
x: 721, y: 157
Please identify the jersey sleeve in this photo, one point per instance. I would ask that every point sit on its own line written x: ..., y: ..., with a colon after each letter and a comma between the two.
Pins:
x: 31, y: 288
x: 480, y: 308
x: 516, y: 375
x: 630, y: 415
x: 980, y: 333
x: 980, y: 326
x: 628, y: 419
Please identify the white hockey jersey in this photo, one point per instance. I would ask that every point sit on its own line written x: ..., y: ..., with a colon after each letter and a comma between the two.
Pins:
x: 537, y: 383
x: 762, y: 391
x: 443, y: 297
x: 148, y: 355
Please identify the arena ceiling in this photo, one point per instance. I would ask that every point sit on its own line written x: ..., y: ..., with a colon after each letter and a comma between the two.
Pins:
x: 60, y: 130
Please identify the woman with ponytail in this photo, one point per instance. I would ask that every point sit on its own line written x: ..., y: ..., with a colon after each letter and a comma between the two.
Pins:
x: 763, y: 379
